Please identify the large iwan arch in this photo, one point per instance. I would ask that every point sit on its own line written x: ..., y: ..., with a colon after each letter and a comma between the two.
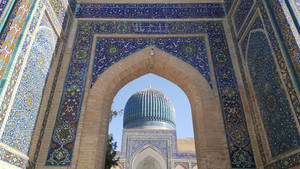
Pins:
x: 211, y: 148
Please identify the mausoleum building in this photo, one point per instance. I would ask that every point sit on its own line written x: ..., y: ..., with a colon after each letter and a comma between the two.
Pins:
x: 149, y: 138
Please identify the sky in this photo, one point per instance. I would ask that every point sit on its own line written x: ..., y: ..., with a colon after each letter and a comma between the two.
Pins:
x: 184, y: 125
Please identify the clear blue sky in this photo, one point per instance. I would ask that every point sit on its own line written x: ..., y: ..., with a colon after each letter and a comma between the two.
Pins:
x: 184, y: 125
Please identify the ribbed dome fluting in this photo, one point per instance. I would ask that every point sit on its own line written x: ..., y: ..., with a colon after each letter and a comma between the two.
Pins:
x: 149, y: 107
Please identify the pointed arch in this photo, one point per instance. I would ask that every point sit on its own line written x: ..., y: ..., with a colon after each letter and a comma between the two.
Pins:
x: 148, y: 155
x: 205, y: 105
x: 180, y: 167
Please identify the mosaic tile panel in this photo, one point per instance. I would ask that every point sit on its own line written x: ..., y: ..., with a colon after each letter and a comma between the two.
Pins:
x: 18, y: 64
x: 286, y: 76
x: 290, y: 161
x: 256, y: 25
x: 61, y: 147
x: 11, y: 85
x: 62, y: 44
x: 5, y: 8
x: 111, y: 50
x: 241, y: 13
x: 295, y: 10
x: 297, y: 4
x: 275, y: 111
x: 72, y: 5
x: 11, y: 33
x: 59, y: 9
x: 42, y: 131
x: 20, y: 125
x: 12, y: 158
x: 228, y: 4
x: 153, y: 11
x: 288, y: 32
x: 3, y: 5
x: 163, y: 141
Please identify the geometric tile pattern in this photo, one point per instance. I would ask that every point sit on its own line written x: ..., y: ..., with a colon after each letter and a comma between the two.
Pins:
x: 164, y: 141
x: 18, y: 65
x: 59, y: 9
x: 63, y: 139
x: 283, y: 69
x: 111, y: 50
x: 232, y: 109
x: 3, y: 5
x: 295, y: 10
x: 275, y: 111
x: 257, y: 24
x: 241, y: 12
x: 288, y: 31
x: 35, y: 57
x: 12, y: 158
x: 297, y: 4
x: 153, y: 11
x: 227, y: 5
x: 11, y: 32
x: 19, y: 127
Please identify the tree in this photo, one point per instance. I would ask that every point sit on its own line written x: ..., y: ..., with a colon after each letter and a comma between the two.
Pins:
x: 110, y: 157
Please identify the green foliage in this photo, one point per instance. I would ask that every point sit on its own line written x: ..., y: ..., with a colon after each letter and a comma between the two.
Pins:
x: 110, y: 159
x: 114, y: 113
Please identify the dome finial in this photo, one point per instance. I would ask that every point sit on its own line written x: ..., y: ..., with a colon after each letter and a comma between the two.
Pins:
x: 149, y: 86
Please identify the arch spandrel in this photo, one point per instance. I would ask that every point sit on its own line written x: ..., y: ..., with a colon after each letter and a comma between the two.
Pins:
x: 206, y: 115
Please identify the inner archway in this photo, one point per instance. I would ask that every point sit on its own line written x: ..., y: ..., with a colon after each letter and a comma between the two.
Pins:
x: 210, y: 140
x: 148, y: 158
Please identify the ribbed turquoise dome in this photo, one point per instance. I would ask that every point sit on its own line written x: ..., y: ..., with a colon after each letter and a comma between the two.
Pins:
x: 149, y: 108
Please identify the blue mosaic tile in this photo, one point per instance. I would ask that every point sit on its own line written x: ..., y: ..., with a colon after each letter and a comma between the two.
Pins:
x: 256, y: 25
x: 163, y: 141
x: 239, y: 145
x: 292, y: 160
x: 287, y: 77
x: 288, y: 31
x: 276, y: 114
x: 228, y: 4
x: 3, y: 6
x: 20, y: 125
x: 9, y: 21
x: 153, y: 11
x: 241, y: 13
x: 72, y: 5
x: 294, y: 6
x: 111, y: 50
x: 297, y: 5
x: 289, y: 162
x: 59, y: 9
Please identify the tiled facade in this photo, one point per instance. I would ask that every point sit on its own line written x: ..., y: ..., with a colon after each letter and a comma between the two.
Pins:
x: 256, y: 26
x: 69, y: 111
x: 164, y: 141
